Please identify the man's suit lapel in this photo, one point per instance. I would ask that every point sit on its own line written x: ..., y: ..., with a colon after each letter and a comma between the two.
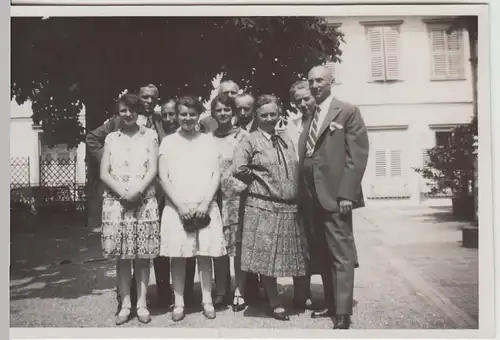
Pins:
x: 333, y: 112
x: 254, y: 126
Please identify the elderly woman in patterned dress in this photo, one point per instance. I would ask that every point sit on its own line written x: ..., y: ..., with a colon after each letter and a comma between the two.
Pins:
x: 273, y: 241
x: 130, y: 221
x: 227, y: 137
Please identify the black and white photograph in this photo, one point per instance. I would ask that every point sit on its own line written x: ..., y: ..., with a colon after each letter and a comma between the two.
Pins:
x: 240, y: 167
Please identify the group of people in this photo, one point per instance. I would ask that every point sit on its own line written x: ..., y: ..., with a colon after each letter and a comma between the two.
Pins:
x: 186, y: 191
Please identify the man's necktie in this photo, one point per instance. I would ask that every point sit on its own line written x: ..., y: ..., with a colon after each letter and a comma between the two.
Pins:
x: 149, y: 122
x: 313, y: 133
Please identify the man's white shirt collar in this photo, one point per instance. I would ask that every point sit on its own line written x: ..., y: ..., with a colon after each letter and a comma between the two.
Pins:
x: 142, y: 120
x: 267, y: 135
x: 323, y: 109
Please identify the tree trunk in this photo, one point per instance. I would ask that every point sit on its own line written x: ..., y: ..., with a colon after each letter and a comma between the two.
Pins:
x: 473, y: 30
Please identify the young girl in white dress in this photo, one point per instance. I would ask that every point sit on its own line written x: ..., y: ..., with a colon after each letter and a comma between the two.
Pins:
x: 190, y: 175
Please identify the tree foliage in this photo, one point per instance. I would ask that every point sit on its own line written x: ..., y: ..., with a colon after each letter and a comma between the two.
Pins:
x: 451, y: 166
x: 61, y: 64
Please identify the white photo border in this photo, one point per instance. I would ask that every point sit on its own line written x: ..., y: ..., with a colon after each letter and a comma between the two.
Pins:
x: 487, y: 122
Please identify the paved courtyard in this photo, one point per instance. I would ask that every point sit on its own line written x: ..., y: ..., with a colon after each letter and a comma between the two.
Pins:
x: 414, y: 274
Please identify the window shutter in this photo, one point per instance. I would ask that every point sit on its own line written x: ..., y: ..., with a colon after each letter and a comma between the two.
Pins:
x: 380, y: 163
x: 425, y: 157
x: 376, y: 48
x: 332, y: 67
x: 455, y: 60
x: 391, y: 36
x: 438, y: 42
x: 396, y: 166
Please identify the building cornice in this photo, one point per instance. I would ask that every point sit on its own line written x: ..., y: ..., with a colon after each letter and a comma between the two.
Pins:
x: 439, y: 20
x: 334, y: 24
x: 415, y: 103
x: 387, y: 127
x: 381, y: 22
x: 446, y: 126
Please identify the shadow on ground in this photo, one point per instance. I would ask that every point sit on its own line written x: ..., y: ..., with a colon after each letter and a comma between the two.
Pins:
x: 62, y: 261
x: 441, y: 215
x: 258, y: 309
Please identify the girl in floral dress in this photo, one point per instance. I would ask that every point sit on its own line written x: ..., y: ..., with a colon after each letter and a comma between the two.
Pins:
x: 228, y: 137
x: 130, y: 221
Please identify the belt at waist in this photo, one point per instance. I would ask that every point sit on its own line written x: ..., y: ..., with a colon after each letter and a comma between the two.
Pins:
x: 273, y: 199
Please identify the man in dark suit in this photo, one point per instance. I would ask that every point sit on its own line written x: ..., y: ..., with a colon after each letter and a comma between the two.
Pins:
x: 245, y: 113
x: 333, y: 153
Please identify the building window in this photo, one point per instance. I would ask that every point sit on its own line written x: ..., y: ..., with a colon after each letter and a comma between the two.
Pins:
x: 388, y: 163
x: 332, y: 66
x: 383, y: 46
x: 443, y: 138
x: 447, y: 53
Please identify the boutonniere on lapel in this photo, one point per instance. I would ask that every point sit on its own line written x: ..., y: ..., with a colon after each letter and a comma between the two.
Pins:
x: 335, y: 126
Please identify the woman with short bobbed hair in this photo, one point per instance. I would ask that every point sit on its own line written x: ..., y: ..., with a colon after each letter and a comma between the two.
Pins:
x: 273, y: 241
x: 228, y: 137
x: 130, y: 222
x: 191, y: 224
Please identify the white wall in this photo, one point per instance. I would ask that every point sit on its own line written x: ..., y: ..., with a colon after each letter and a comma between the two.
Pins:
x: 415, y: 104
x: 414, y: 66
x: 24, y: 141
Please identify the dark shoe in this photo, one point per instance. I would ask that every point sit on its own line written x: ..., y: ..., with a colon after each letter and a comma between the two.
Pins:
x: 210, y: 313
x: 178, y: 313
x: 322, y: 313
x: 282, y: 316
x: 220, y: 303
x: 237, y: 305
x: 342, y: 322
x: 144, y: 317
x: 123, y: 316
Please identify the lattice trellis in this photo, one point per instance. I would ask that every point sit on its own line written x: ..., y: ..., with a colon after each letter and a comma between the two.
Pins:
x: 56, y: 172
x: 57, y: 194
x: 19, y: 172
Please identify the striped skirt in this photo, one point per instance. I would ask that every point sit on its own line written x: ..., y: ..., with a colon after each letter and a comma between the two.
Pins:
x: 273, y: 241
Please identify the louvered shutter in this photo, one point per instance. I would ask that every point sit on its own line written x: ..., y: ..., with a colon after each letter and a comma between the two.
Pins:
x: 396, y: 166
x: 376, y: 49
x: 454, y: 49
x: 439, y: 62
x: 425, y: 157
x: 332, y: 67
x: 380, y: 163
x: 391, y: 36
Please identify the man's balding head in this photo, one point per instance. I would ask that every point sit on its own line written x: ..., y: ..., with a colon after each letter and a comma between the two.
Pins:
x: 320, y: 79
x: 229, y: 88
x: 149, y: 97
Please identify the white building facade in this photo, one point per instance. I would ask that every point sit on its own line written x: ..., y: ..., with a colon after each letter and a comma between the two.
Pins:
x: 26, y: 145
x: 411, y: 80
